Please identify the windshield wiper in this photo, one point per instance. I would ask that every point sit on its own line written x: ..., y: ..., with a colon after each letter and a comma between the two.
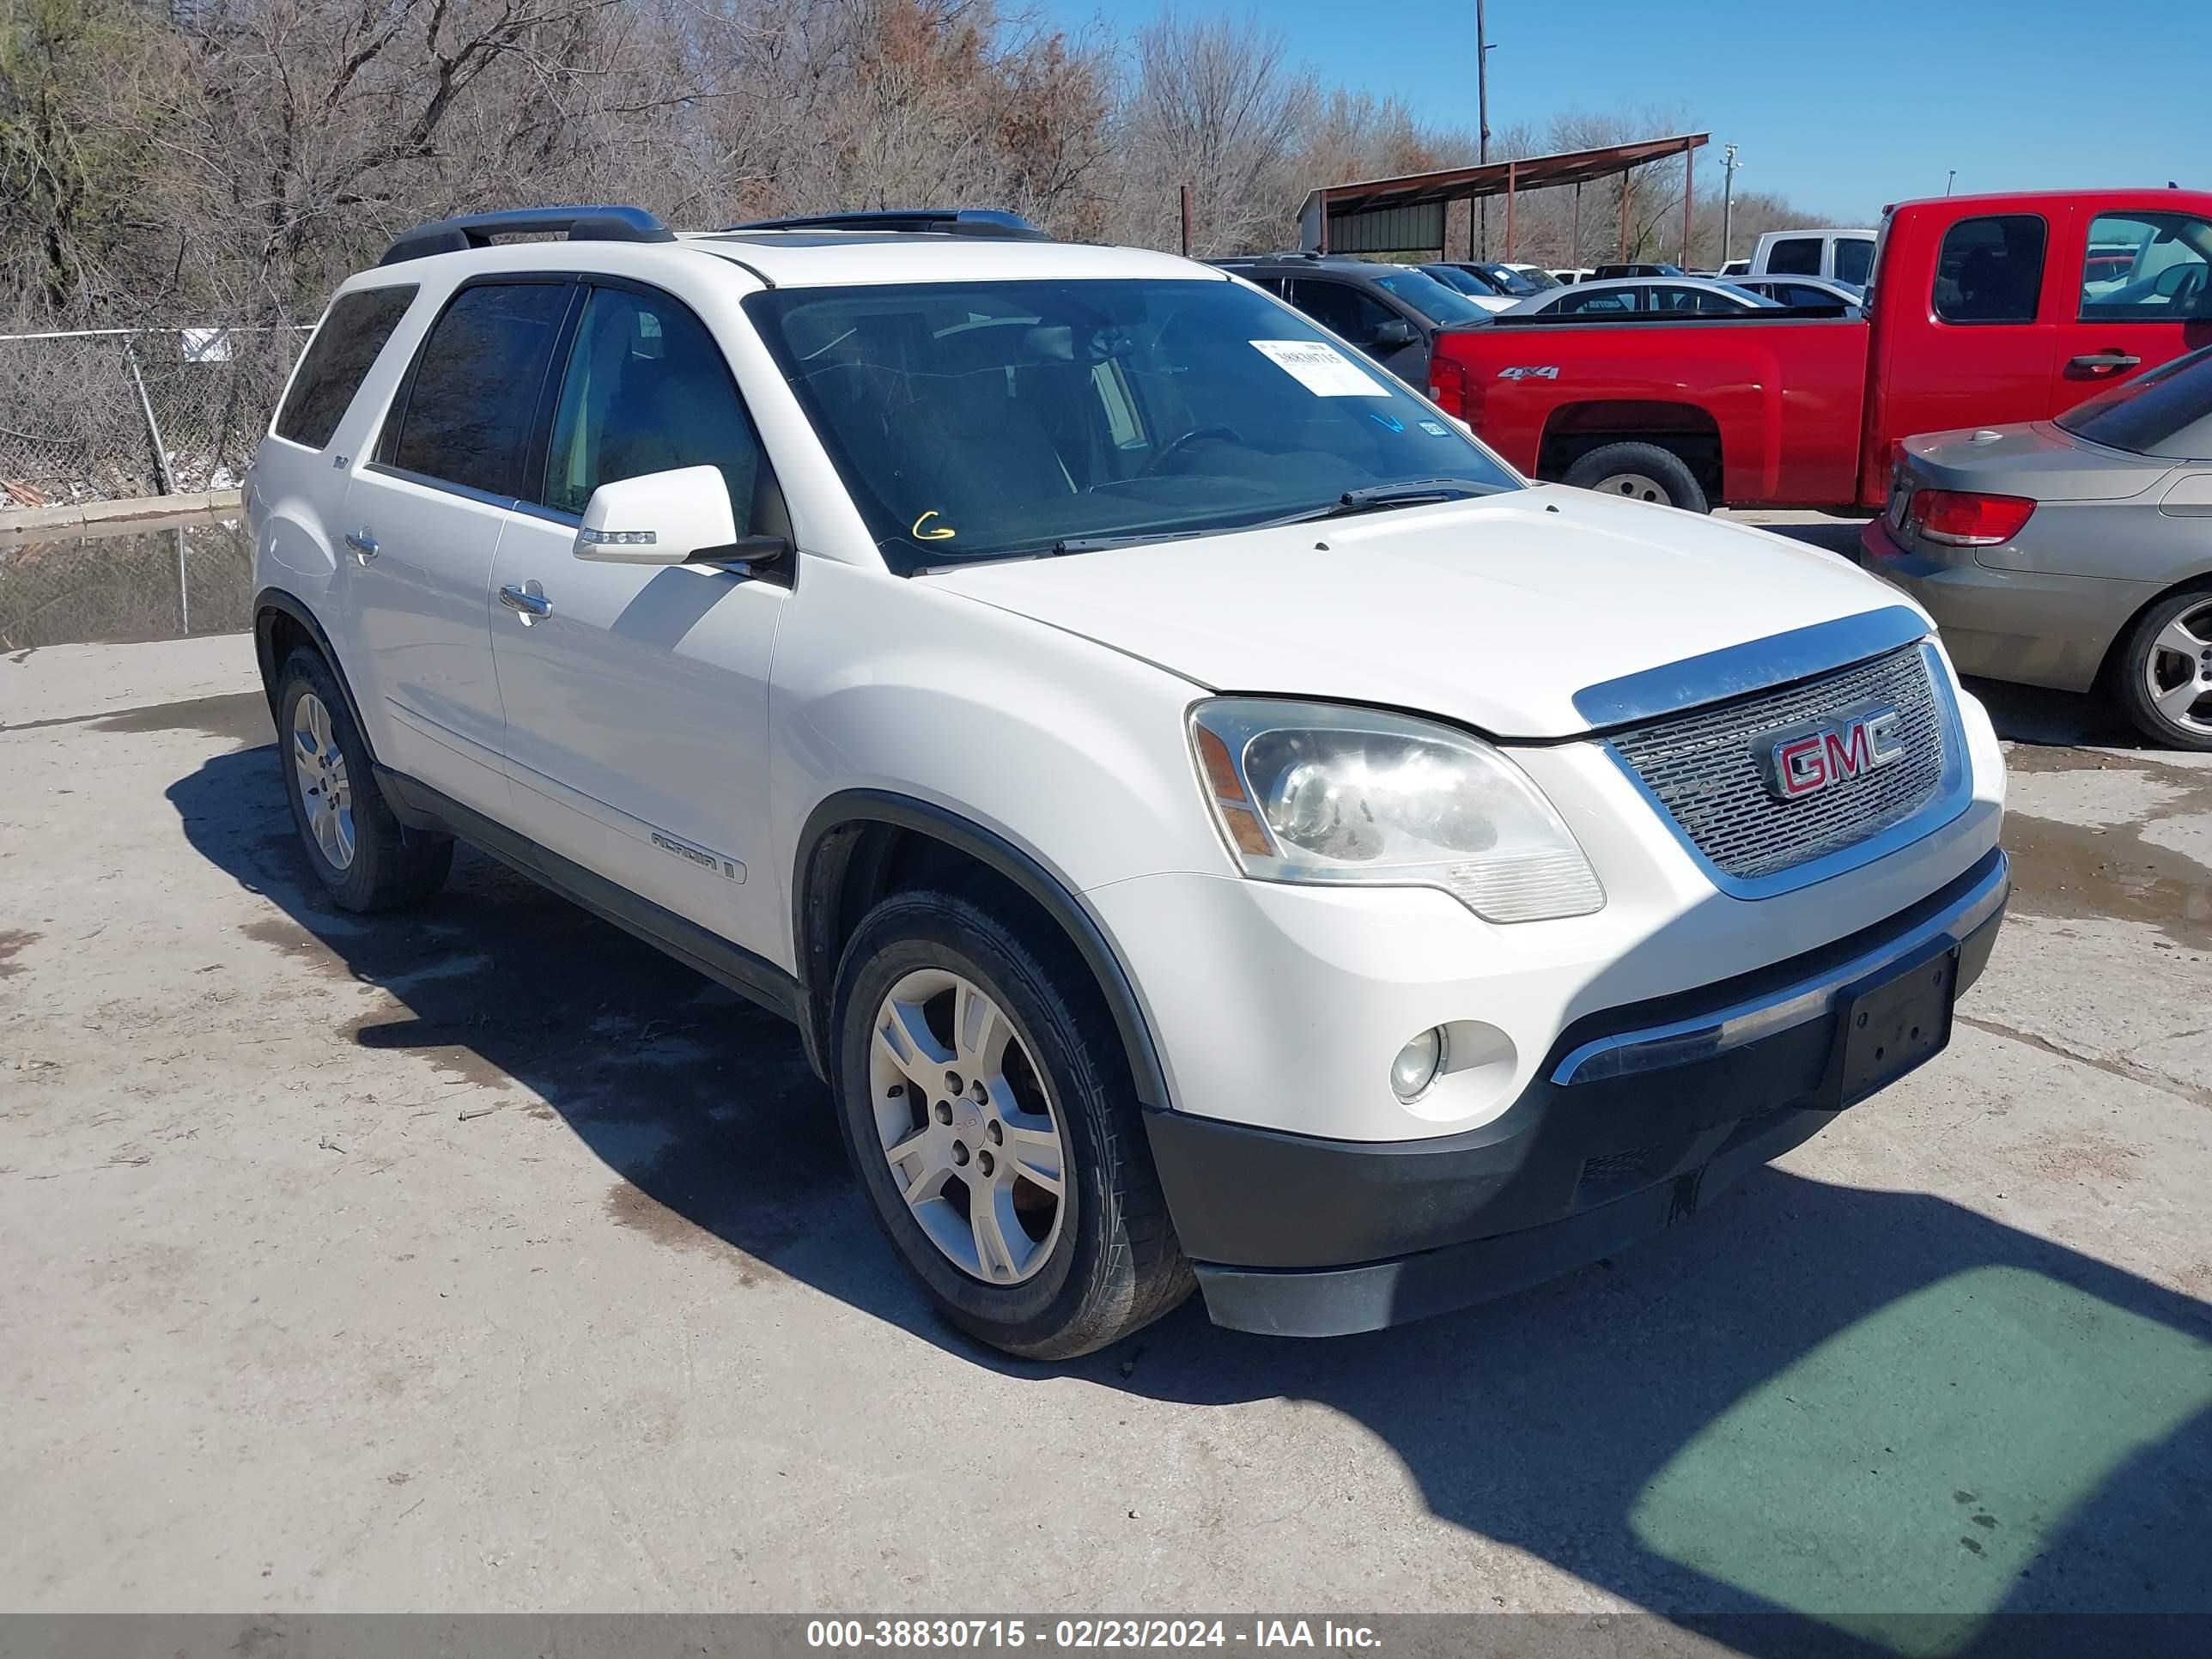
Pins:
x: 1372, y: 498
x: 1099, y: 544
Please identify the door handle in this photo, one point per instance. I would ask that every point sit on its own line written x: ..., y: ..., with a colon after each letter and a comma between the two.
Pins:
x: 2098, y: 362
x: 528, y: 607
x: 364, y: 545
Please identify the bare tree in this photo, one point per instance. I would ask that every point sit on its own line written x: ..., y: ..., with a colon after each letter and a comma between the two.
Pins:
x: 1216, y: 105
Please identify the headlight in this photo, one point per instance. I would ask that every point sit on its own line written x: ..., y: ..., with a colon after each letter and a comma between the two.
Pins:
x: 1309, y: 792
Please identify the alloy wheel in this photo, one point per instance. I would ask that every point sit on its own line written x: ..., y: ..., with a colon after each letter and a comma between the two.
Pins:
x: 326, y: 792
x: 2178, y: 669
x: 967, y: 1126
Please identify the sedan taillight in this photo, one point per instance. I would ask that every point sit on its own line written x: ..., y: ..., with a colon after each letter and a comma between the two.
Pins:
x: 1959, y: 518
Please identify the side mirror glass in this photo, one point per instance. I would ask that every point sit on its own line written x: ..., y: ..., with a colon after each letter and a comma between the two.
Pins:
x: 660, y: 518
x: 1397, y: 332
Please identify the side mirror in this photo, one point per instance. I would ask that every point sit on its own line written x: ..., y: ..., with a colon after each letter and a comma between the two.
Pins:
x: 1393, y: 333
x: 669, y: 518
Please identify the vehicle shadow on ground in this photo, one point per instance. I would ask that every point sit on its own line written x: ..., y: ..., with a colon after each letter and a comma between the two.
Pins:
x: 1810, y: 1401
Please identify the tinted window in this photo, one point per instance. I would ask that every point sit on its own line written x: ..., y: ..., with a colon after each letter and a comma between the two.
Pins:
x: 338, y: 360
x: 476, y: 385
x: 1510, y: 281
x: 1797, y: 256
x: 647, y: 390
x: 1854, y: 260
x: 1598, y: 300
x: 2147, y: 268
x: 1465, y: 282
x: 981, y: 419
x: 1425, y: 295
x: 1341, y: 308
x: 1990, y: 270
x: 2167, y: 412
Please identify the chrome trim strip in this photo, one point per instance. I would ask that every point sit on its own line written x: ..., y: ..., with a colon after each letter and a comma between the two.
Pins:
x: 1657, y: 1046
x: 1754, y: 665
x: 1954, y: 792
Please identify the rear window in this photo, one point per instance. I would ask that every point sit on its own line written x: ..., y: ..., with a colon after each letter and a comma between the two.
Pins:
x: 1800, y: 255
x: 476, y: 386
x: 2167, y: 412
x: 1989, y: 269
x: 1854, y: 259
x: 338, y: 359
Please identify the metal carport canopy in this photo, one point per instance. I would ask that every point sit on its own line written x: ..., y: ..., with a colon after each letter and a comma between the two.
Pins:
x: 1380, y: 204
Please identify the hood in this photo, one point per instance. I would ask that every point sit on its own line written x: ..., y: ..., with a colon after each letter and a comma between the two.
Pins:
x: 2036, y: 460
x: 1493, y: 612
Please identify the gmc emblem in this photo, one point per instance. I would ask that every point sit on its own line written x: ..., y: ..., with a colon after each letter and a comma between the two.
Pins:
x: 1806, y: 759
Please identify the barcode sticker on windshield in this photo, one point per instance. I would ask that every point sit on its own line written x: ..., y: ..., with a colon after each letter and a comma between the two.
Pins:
x: 1320, y: 369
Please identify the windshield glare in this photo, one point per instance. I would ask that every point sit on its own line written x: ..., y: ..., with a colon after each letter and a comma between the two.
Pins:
x: 979, y: 420
x: 1431, y: 298
x: 1512, y: 281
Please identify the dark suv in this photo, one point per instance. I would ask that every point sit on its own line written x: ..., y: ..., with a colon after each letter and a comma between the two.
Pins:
x: 1392, y: 312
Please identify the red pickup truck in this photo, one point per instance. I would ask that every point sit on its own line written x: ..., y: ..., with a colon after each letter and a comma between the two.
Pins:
x: 1984, y: 309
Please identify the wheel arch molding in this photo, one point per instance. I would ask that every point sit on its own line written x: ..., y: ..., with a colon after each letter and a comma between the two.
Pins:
x: 272, y: 607
x: 843, y: 833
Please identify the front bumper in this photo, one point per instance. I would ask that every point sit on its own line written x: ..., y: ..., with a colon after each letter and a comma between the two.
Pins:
x: 1636, y: 1115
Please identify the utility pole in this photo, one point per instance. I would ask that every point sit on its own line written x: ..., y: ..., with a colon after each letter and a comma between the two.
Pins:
x: 1729, y: 165
x: 1482, y: 115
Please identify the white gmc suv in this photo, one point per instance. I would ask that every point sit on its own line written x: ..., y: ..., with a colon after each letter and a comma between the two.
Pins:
x: 1210, y: 819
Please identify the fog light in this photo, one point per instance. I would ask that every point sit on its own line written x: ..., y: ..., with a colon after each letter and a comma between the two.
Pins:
x: 1418, y: 1063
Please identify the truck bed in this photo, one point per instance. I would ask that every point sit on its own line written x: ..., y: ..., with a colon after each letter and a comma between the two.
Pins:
x: 1766, y: 408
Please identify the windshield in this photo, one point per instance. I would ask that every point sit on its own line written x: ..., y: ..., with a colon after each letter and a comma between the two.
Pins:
x: 1431, y: 298
x: 979, y: 420
x: 2167, y: 412
x: 1466, y: 282
x: 1516, y: 283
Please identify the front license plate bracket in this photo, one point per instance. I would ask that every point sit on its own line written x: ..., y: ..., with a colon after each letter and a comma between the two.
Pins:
x: 1891, y: 1022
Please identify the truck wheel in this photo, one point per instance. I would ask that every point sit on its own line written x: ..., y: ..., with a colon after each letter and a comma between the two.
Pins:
x: 364, y: 855
x: 986, y: 1104
x: 2164, y: 673
x: 1642, y: 472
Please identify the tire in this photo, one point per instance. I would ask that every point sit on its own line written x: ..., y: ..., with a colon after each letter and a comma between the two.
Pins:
x: 1104, y: 1262
x: 2168, y: 650
x: 1640, y: 473
x: 365, y: 857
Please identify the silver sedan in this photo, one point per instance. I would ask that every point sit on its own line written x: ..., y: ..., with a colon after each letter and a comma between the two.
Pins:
x: 1618, y: 296
x: 2076, y: 553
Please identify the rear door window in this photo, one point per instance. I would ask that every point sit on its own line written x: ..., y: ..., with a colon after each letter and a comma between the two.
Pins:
x: 2144, y: 267
x: 1854, y: 259
x: 1797, y: 256
x: 473, y: 395
x: 647, y: 390
x: 1989, y: 269
x: 338, y: 359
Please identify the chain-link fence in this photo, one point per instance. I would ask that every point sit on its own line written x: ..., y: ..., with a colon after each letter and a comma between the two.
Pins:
x: 145, y: 585
x: 117, y: 414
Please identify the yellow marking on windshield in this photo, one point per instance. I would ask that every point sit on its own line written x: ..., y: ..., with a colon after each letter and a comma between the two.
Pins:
x: 943, y: 532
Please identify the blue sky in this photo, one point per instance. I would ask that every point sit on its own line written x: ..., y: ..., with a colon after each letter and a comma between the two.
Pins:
x: 1839, y: 106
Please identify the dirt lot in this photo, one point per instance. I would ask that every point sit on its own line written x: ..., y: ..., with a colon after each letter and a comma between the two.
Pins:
x: 481, y: 1258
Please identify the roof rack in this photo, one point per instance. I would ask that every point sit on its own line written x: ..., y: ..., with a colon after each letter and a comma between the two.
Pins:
x: 946, y: 222
x: 579, y: 224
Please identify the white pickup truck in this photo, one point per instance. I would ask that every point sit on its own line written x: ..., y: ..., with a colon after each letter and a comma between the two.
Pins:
x: 1211, y: 820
